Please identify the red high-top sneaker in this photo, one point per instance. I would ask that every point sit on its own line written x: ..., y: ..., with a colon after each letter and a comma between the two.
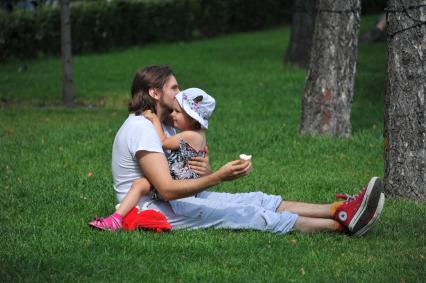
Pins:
x: 359, y: 212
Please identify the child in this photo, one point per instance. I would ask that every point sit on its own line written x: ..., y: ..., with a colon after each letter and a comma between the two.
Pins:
x: 191, y: 110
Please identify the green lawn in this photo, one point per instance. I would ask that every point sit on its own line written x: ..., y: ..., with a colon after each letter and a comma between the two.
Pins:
x: 48, y: 195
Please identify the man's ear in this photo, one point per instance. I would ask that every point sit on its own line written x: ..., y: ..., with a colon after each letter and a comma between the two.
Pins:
x: 154, y: 93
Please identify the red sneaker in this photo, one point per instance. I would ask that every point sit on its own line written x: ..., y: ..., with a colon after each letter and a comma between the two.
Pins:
x: 359, y: 212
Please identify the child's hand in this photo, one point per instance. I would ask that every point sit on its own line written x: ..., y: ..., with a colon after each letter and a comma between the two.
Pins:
x: 150, y: 115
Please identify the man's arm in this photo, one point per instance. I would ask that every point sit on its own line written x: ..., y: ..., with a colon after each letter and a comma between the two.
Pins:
x: 155, y: 168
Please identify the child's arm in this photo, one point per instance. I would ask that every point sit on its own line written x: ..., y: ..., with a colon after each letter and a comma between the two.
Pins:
x: 171, y: 143
x: 140, y: 187
x: 156, y: 122
x: 191, y: 137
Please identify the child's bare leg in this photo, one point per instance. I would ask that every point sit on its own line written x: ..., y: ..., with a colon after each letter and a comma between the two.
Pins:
x: 309, y: 225
x: 114, y: 222
x: 139, y: 188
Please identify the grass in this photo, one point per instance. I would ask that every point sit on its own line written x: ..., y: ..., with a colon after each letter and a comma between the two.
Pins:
x: 55, y: 171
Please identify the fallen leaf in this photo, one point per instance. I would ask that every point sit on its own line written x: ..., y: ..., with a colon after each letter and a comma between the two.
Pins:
x: 89, y: 174
x: 293, y: 242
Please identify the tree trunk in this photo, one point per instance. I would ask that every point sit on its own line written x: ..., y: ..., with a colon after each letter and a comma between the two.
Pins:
x: 327, y: 98
x: 405, y: 96
x: 68, y: 87
x: 302, y: 31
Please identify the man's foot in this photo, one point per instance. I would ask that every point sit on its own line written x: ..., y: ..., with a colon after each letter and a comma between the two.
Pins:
x: 110, y: 223
x: 358, y: 213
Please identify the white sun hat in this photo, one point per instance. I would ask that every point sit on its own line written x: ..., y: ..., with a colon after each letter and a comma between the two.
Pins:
x: 197, y: 104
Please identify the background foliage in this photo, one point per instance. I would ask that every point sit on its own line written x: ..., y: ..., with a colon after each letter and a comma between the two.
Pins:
x: 101, y: 25
x: 105, y: 25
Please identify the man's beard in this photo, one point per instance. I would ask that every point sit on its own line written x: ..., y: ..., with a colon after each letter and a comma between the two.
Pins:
x: 166, y: 118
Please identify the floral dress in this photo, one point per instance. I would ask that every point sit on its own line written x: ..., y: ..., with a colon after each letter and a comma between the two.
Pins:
x: 178, y: 161
x: 178, y: 164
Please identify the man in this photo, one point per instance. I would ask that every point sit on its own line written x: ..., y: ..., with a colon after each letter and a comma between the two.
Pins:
x: 137, y: 152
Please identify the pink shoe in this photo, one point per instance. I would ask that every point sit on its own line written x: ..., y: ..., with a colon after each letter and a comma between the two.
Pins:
x: 359, y: 212
x: 110, y: 223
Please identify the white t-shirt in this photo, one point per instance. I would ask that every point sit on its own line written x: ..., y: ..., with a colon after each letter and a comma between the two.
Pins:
x: 137, y: 133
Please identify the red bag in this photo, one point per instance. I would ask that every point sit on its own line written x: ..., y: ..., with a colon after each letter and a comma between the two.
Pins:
x: 146, y: 219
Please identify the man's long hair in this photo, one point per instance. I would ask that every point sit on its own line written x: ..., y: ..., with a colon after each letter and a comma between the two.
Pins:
x: 146, y: 78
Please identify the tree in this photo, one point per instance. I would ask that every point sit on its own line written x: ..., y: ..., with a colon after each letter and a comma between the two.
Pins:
x: 405, y: 96
x: 302, y: 31
x: 327, y: 98
x: 68, y: 87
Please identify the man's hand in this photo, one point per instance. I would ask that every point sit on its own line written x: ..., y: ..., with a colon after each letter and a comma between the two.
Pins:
x: 200, y: 165
x: 234, y: 169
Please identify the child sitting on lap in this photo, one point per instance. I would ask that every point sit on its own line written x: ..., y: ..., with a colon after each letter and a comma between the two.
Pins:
x: 191, y: 110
